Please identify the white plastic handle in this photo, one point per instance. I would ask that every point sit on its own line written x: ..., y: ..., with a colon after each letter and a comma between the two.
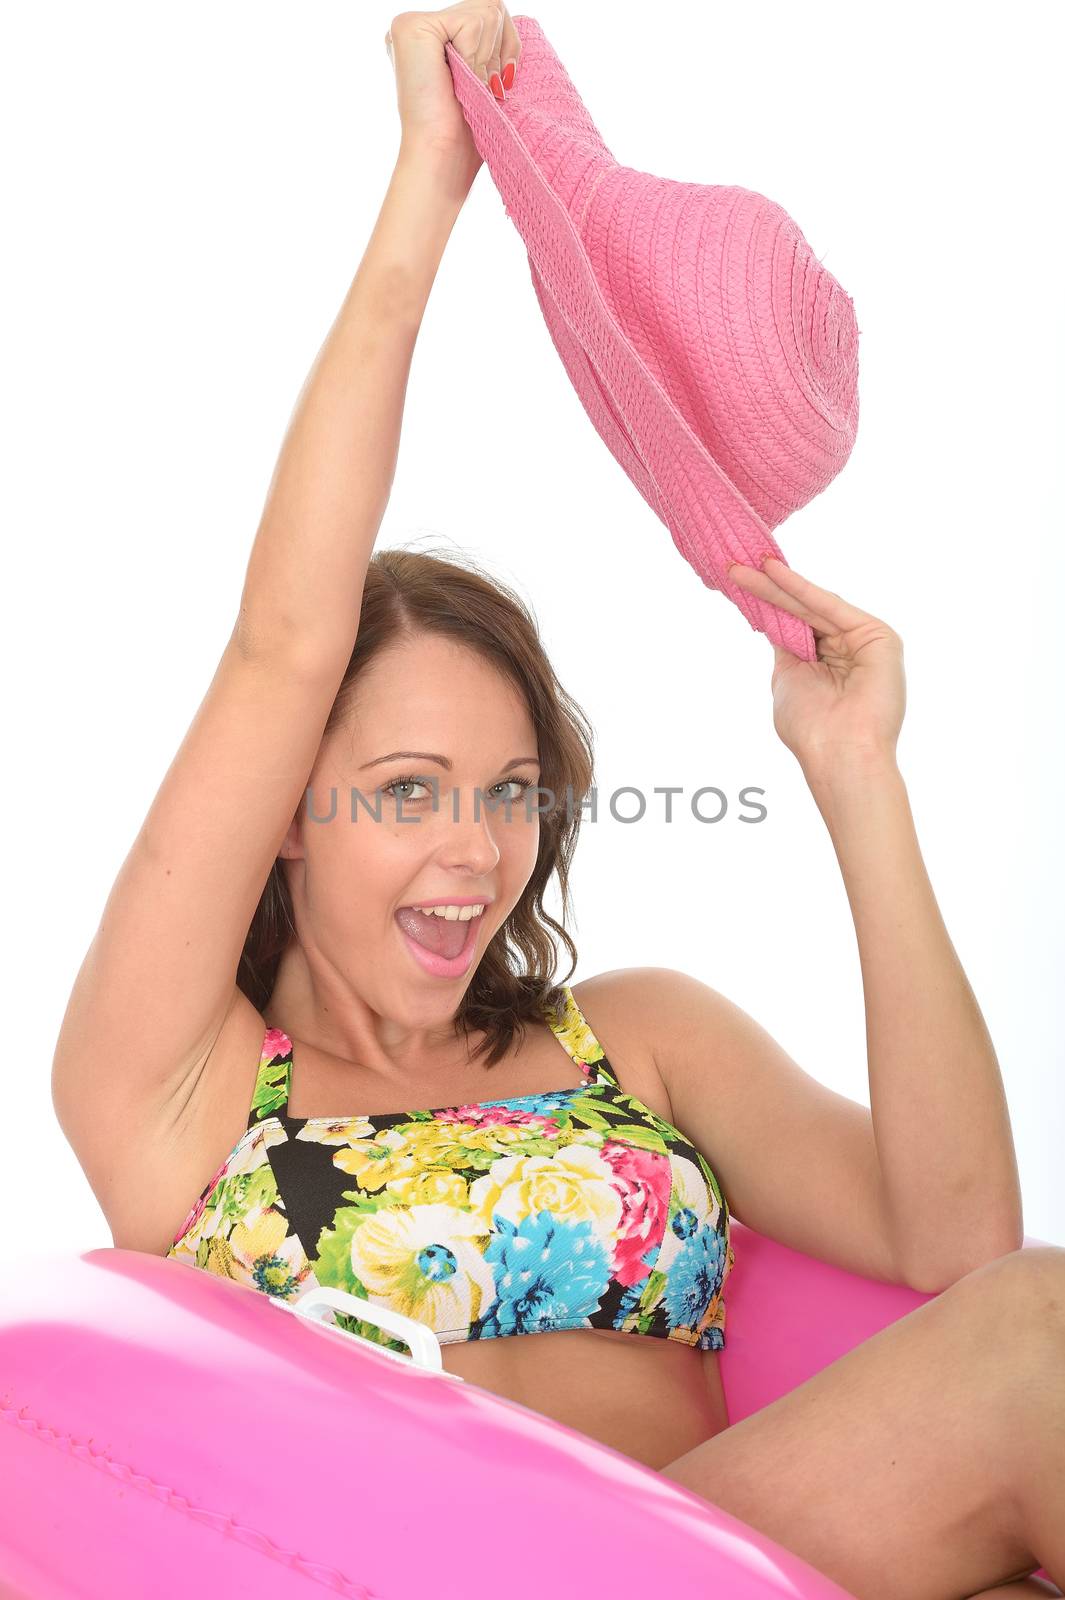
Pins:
x: 424, y: 1345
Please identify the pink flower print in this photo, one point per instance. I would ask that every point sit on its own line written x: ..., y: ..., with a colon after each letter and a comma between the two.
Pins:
x: 275, y: 1043
x: 194, y: 1215
x: 643, y: 1179
x: 494, y: 1116
x: 197, y: 1211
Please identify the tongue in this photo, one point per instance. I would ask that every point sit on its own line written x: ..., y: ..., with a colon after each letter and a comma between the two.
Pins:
x: 434, y: 933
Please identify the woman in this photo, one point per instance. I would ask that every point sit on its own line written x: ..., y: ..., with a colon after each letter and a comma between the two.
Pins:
x: 263, y: 948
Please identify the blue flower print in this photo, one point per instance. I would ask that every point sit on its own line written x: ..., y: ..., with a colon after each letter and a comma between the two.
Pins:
x: 541, y: 1105
x: 547, y: 1275
x: 696, y: 1276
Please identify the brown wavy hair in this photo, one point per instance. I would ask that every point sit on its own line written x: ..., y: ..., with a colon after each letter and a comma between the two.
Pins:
x: 408, y: 593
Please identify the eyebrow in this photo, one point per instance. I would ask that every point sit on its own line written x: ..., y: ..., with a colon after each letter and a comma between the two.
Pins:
x: 426, y: 755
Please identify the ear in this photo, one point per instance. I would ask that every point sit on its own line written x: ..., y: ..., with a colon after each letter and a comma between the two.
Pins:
x: 291, y: 848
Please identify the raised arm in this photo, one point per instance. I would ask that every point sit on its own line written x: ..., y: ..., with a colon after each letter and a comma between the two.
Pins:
x: 158, y: 979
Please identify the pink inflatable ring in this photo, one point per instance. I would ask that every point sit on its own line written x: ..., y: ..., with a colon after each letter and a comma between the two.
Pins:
x: 165, y: 1432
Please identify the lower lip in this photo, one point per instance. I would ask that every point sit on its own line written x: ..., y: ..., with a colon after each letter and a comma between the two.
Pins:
x: 441, y: 966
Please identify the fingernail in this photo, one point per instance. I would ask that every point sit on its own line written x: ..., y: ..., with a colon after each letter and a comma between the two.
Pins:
x: 497, y: 86
x: 508, y: 75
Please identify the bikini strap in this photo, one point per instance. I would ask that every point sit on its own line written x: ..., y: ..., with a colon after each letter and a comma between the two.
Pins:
x: 273, y: 1079
x: 570, y: 1028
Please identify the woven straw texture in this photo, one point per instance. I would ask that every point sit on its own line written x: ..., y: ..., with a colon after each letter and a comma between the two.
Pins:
x: 715, y: 356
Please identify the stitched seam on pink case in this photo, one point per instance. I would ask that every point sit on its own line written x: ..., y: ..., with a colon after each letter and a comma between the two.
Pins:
x: 221, y: 1521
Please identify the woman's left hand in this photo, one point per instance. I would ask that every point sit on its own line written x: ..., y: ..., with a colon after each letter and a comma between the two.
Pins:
x: 847, y: 705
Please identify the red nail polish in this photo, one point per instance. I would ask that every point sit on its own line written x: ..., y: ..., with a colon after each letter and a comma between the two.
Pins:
x: 496, y: 85
x: 508, y: 75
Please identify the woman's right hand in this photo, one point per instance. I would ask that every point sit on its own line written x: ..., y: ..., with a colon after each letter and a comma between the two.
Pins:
x: 483, y: 33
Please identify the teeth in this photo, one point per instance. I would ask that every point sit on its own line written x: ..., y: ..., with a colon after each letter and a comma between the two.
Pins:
x: 452, y: 913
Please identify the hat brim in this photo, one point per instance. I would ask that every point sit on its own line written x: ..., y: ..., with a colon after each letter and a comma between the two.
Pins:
x: 709, y: 520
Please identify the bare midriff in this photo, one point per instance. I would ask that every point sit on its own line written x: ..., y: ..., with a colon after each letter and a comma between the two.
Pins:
x: 651, y: 1398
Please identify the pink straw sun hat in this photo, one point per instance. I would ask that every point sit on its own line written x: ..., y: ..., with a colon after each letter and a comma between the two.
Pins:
x: 716, y: 357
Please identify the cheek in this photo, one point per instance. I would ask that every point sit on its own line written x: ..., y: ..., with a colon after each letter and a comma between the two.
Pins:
x: 354, y: 865
x: 520, y: 843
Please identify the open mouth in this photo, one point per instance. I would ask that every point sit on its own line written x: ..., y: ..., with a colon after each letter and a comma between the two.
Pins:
x: 441, y: 936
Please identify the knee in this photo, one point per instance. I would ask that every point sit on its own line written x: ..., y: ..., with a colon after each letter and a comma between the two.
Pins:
x: 1029, y: 1288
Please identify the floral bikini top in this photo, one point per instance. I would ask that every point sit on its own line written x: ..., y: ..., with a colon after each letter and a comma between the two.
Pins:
x: 575, y: 1208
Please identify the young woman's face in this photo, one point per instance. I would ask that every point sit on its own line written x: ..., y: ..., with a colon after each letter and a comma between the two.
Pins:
x: 444, y: 832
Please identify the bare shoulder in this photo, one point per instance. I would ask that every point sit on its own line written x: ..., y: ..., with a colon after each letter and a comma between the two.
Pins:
x: 661, y: 1014
x: 167, y: 1161
x: 625, y: 1010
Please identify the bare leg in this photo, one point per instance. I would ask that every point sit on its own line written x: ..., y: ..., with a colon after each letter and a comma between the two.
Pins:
x: 928, y: 1462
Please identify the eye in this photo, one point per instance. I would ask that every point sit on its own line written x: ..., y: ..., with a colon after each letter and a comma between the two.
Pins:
x: 403, y: 783
x: 521, y: 784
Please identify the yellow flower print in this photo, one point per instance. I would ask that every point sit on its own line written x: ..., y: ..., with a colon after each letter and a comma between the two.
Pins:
x: 448, y: 1142
x: 220, y: 1259
x: 256, y: 1253
x: 427, y: 1263
x: 260, y: 1233
x: 574, y: 1185
x: 425, y: 1185
x: 575, y: 1032
x: 396, y: 1152
x: 261, y: 1253
x: 372, y: 1162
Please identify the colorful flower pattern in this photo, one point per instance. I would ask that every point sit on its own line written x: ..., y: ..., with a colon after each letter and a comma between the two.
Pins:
x: 574, y: 1208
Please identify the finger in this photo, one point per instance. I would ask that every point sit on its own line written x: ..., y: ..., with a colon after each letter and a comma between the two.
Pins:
x: 488, y: 49
x: 830, y: 604
x: 509, y: 49
x: 780, y: 584
x: 759, y: 583
x: 472, y: 29
x: 467, y: 37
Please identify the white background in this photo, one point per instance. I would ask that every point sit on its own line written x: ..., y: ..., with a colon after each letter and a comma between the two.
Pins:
x: 188, y: 192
